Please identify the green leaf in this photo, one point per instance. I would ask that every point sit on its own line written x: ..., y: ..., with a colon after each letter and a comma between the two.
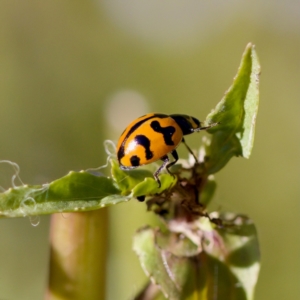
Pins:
x: 161, y: 266
x: 127, y: 180
x: 224, y: 264
x: 236, y: 113
x: 140, y: 182
x: 149, y: 186
x: 77, y: 191
x: 235, y: 248
x: 81, y: 191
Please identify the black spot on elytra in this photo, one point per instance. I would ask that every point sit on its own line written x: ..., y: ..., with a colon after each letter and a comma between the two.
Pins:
x: 145, y: 142
x: 135, y: 161
x: 167, y: 132
x: 121, y: 151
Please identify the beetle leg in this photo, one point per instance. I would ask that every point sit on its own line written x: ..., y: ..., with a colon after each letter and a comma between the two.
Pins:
x: 190, y: 150
x: 165, y: 160
x: 166, y: 164
x: 175, y: 155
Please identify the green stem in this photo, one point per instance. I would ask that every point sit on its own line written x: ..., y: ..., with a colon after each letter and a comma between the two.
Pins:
x: 78, y: 255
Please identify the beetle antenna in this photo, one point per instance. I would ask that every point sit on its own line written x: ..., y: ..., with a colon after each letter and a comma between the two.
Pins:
x: 209, y: 126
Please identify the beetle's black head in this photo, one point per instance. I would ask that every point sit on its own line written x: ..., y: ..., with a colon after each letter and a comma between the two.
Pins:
x: 187, y: 123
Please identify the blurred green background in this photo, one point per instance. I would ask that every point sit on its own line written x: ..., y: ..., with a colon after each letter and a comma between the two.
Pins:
x: 73, y: 74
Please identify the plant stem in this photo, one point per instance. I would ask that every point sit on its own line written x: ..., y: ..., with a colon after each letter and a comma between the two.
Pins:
x: 78, y: 255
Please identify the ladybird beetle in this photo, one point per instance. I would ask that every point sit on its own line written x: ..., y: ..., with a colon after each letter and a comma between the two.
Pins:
x: 152, y: 137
